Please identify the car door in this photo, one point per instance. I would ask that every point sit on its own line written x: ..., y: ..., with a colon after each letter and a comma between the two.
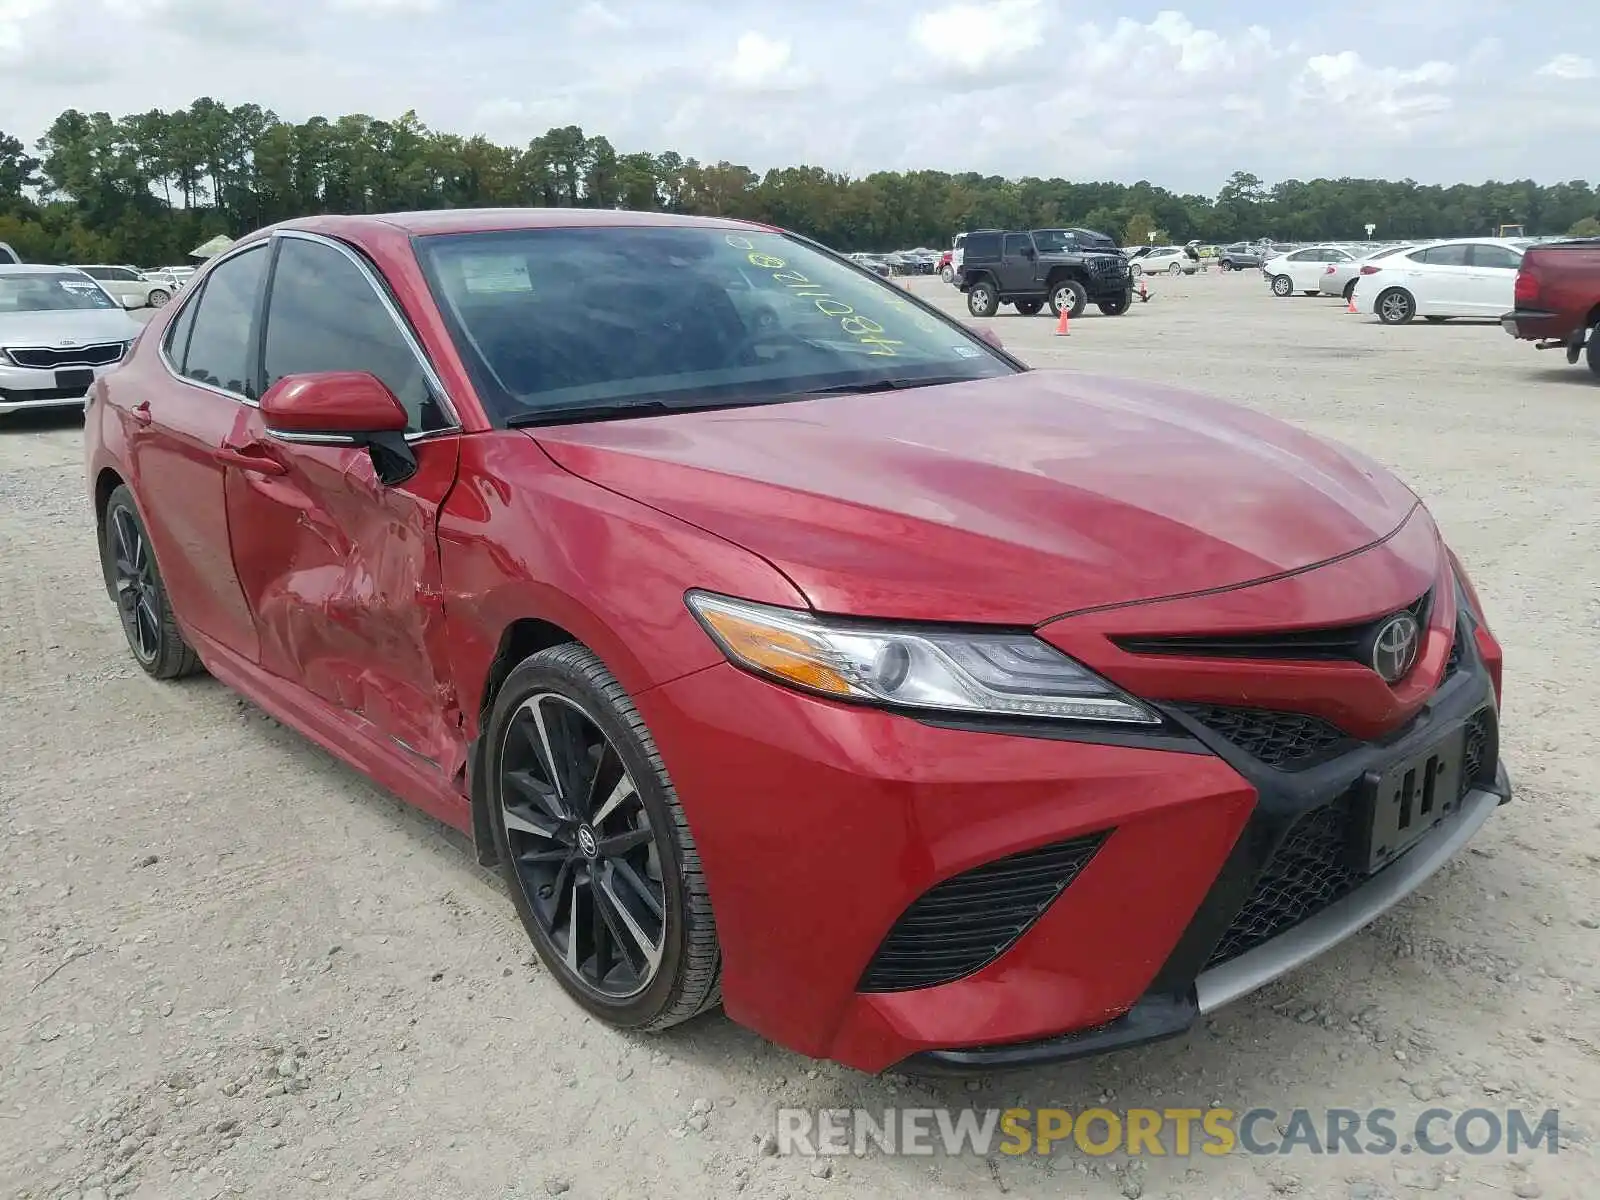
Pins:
x: 1018, y: 264
x: 175, y: 435
x: 1494, y: 278
x: 342, y: 570
x: 1443, y: 284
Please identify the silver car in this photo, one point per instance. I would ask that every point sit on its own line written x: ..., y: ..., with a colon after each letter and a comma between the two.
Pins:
x: 1340, y: 277
x: 59, y: 330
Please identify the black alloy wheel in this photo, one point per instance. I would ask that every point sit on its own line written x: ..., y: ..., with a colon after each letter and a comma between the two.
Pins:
x: 134, y: 581
x: 602, y: 866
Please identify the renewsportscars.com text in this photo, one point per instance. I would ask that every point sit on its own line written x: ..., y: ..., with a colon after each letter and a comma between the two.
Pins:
x: 1159, y: 1132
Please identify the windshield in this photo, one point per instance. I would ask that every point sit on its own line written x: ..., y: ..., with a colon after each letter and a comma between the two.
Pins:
x: 549, y: 319
x: 50, y: 291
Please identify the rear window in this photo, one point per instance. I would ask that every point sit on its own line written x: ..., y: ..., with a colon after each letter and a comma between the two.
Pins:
x: 552, y: 318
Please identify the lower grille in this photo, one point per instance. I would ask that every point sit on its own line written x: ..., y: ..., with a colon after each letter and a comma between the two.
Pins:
x: 1287, y: 741
x: 45, y: 358
x: 963, y: 924
x: 18, y: 395
x: 1311, y: 869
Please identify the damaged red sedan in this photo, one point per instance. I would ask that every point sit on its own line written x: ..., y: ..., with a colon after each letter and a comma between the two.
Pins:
x: 788, y: 645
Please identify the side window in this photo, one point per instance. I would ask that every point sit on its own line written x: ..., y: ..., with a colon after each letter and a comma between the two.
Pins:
x: 1494, y: 256
x: 96, y: 272
x: 1445, y: 256
x: 323, y: 315
x: 1303, y: 256
x: 1338, y: 256
x: 221, y: 347
x: 178, y: 335
x: 121, y: 273
x: 982, y: 247
x: 1017, y: 243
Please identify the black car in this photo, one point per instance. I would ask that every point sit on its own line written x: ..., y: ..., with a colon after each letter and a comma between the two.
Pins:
x: 1064, y: 268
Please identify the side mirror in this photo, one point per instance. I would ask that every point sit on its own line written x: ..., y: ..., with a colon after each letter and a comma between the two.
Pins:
x: 342, y: 408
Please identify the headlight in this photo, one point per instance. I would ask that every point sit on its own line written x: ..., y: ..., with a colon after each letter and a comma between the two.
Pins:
x: 992, y: 674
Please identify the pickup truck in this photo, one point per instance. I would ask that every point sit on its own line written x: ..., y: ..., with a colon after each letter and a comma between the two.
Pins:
x: 1558, y: 299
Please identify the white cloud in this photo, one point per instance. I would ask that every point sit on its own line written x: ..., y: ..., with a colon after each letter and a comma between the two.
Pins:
x: 978, y: 38
x: 1570, y: 66
x: 1181, y: 97
x: 759, y: 63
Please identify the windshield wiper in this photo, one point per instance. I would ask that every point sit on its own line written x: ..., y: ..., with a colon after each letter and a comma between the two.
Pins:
x: 885, y: 385
x: 615, y: 411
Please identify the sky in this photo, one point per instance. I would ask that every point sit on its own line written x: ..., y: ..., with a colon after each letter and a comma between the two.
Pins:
x: 1440, y: 91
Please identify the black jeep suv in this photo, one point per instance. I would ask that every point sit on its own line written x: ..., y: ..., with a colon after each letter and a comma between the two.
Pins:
x: 1064, y: 268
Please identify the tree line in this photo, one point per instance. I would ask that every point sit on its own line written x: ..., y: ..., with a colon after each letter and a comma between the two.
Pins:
x: 147, y: 187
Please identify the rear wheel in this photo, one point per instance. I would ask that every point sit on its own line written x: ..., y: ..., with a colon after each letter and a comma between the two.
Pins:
x: 1137, y: 268
x: 1282, y: 285
x: 982, y: 300
x: 1592, y: 351
x: 158, y: 297
x: 134, y: 581
x: 1067, y: 296
x: 1175, y: 269
x: 1029, y: 308
x: 1396, y: 307
x: 1350, y: 289
x: 595, y: 847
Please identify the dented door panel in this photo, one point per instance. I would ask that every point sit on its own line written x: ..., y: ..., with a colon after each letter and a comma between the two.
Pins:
x: 343, y: 579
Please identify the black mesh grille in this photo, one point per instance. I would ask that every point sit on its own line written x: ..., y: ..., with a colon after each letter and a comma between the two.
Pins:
x: 81, y: 356
x: 1288, y: 741
x: 969, y: 920
x: 1301, y: 645
x: 1311, y: 870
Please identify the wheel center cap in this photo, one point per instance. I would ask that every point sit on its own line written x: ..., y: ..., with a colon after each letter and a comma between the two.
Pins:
x: 587, y: 842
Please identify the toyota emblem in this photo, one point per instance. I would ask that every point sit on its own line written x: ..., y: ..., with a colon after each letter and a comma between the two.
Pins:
x: 1395, y: 647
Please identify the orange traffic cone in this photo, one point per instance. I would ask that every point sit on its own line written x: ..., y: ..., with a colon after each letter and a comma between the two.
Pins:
x: 1144, y: 292
x: 1061, y: 325
x: 1351, y: 307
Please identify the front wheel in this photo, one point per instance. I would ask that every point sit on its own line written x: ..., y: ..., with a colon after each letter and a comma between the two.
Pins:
x: 1224, y: 265
x: 1068, y: 296
x: 948, y: 275
x: 134, y: 581
x: 1282, y: 285
x: 595, y: 848
x: 982, y: 300
x: 1396, y: 307
x: 1592, y: 351
x: 1115, y: 306
x: 158, y: 297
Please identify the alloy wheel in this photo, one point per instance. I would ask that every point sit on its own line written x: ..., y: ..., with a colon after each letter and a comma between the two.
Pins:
x: 582, y: 847
x: 1395, y: 307
x: 138, y: 594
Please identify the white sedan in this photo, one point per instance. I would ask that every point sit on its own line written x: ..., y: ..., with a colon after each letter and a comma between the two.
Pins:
x: 1301, y: 270
x: 1462, y: 277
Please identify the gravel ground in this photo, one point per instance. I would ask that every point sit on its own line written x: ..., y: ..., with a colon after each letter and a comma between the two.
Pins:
x: 229, y: 966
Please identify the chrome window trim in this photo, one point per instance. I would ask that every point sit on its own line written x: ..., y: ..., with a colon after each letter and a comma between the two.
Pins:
x: 429, y: 373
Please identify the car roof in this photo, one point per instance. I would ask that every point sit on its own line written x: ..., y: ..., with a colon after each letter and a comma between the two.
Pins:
x: 486, y: 220
x: 34, y: 268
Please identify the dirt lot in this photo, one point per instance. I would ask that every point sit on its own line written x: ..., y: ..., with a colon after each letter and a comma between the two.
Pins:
x: 228, y: 966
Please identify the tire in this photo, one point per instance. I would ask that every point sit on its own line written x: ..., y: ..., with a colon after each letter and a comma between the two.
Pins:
x: 1282, y: 286
x: 948, y: 275
x: 1115, y: 306
x: 1175, y: 269
x: 1224, y: 265
x: 1137, y: 269
x: 1349, y: 290
x: 592, y: 720
x: 1069, y: 296
x: 1396, y: 307
x: 1592, y: 351
x: 158, y: 297
x: 982, y: 299
x: 1029, y: 308
x: 134, y: 583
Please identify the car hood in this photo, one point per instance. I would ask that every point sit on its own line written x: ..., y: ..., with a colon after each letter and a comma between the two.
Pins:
x: 78, y: 326
x: 1008, y: 500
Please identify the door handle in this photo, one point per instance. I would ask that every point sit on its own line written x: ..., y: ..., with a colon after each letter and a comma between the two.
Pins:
x: 260, y: 464
x: 141, y: 412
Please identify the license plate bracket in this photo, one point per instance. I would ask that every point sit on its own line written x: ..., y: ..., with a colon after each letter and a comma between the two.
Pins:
x: 1401, y: 804
x: 77, y: 379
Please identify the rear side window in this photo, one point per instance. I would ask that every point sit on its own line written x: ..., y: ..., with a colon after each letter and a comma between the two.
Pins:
x: 220, y: 341
x: 1443, y: 256
x: 324, y: 315
x: 981, y: 247
x: 178, y: 334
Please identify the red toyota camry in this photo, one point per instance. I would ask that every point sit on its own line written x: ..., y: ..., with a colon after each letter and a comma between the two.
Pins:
x: 787, y: 644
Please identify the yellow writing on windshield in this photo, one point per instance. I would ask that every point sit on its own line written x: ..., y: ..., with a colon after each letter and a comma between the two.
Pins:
x: 865, y: 330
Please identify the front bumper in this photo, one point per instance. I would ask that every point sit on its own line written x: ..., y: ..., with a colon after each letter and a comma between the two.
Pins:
x: 26, y: 388
x: 819, y: 827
